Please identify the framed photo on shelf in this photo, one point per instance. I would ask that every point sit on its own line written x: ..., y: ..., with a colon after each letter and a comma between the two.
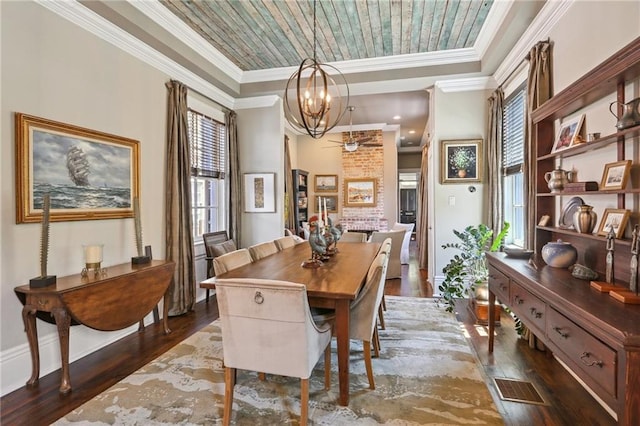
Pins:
x: 615, y: 175
x: 360, y: 192
x: 326, y: 183
x: 461, y: 161
x: 616, y: 218
x: 259, y: 192
x: 87, y: 174
x: 569, y: 131
x: 332, y: 203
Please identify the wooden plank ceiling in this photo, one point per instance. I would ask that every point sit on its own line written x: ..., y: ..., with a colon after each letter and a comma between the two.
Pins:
x: 263, y: 34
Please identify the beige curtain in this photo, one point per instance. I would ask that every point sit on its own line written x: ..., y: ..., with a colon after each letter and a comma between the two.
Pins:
x: 494, y: 160
x: 179, y: 243
x: 539, y: 90
x: 234, y: 188
x: 289, y: 218
x: 422, y: 216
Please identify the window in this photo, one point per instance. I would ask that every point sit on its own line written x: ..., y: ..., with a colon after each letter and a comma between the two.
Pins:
x: 207, y: 141
x: 513, y: 136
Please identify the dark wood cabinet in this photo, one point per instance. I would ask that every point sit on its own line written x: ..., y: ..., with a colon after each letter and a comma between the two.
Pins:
x: 594, y: 335
x: 301, y: 198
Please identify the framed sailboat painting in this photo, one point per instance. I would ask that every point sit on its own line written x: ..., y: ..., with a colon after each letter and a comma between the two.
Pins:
x: 87, y: 174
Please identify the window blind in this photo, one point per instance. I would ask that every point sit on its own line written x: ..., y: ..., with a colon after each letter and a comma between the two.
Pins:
x: 513, y: 128
x: 207, y: 139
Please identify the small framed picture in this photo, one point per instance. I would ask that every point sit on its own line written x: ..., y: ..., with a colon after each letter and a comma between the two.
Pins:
x: 569, y: 131
x: 330, y: 201
x: 615, y: 175
x: 259, y: 192
x: 616, y: 219
x: 326, y: 183
x: 461, y: 161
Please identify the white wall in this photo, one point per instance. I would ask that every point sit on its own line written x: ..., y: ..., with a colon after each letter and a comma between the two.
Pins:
x: 457, y: 115
x: 55, y: 70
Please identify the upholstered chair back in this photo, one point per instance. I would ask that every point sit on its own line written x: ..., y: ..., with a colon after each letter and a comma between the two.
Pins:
x: 364, y: 309
x: 232, y: 260
x: 267, y: 326
x: 395, y: 268
x: 353, y: 237
x: 258, y: 251
x: 408, y: 228
x: 285, y: 242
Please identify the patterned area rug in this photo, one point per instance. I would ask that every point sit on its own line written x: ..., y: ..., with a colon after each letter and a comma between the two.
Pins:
x: 426, y: 374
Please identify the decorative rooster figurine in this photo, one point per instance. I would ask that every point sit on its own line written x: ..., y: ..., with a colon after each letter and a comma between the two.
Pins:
x: 318, y: 245
x: 334, y: 236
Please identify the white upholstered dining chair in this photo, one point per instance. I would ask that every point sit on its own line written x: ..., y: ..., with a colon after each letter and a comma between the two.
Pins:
x: 404, y: 251
x: 353, y: 237
x: 267, y: 327
x: 231, y: 260
x: 260, y: 250
x: 285, y: 242
x: 394, y: 269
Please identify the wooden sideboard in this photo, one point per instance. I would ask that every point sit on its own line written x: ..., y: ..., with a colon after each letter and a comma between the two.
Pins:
x: 597, y: 337
x: 119, y: 299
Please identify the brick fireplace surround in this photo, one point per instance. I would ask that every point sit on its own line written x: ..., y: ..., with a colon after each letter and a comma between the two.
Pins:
x: 366, y: 162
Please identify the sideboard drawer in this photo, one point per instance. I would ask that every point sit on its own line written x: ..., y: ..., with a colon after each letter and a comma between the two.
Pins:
x: 595, y: 358
x: 528, y: 307
x: 499, y: 284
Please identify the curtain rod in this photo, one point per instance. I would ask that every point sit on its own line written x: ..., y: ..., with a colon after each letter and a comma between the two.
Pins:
x: 224, y: 108
x: 526, y: 58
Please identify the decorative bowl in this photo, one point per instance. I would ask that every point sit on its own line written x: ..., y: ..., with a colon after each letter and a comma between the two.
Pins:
x: 559, y: 254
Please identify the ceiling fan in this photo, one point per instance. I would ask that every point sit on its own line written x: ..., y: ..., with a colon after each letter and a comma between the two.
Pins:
x: 352, y: 143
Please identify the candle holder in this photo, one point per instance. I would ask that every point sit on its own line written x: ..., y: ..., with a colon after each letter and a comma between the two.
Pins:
x: 93, y: 261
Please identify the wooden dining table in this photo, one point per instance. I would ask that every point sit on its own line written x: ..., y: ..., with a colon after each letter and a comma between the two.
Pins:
x: 333, y: 285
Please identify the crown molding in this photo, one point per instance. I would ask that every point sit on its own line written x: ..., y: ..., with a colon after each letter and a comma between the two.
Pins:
x: 489, y: 31
x: 410, y: 60
x: 90, y: 21
x: 174, y: 25
x: 466, y: 84
x: 540, y: 28
x: 256, y: 102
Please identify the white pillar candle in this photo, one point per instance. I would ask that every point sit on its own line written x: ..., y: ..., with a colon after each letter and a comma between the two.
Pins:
x: 93, y: 254
x: 320, y: 221
x: 326, y: 213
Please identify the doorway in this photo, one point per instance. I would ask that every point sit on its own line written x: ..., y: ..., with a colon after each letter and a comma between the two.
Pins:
x: 408, y: 187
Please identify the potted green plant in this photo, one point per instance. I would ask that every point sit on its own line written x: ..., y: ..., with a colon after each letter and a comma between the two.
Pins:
x: 468, y: 271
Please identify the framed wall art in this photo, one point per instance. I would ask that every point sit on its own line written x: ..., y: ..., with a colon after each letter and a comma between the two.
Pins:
x: 87, y: 174
x: 615, y: 175
x: 331, y: 203
x: 259, y: 192
x: 360, y: 192
x: 569, y: 131
x: 461, y: 161
x: 616, y: 218
x: 326, y: 183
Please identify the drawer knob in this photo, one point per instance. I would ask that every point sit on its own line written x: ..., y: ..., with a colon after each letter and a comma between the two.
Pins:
x: 585, y: 360
x: 560, y: 332
x: 535, y: 313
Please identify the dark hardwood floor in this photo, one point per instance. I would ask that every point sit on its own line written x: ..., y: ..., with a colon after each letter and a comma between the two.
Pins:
x: 567, y: 402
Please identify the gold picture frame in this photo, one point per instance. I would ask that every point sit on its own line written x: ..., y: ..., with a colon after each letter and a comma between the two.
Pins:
x: 613, y: 217
x: 615, y: 175
x: 331, y: 202
x: 88, y: 174
x: 461, y: 161
x: 326, y: 183
x: 360, y: 192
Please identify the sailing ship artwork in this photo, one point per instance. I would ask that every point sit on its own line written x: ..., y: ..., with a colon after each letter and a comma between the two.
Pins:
x: 88, y: 174
x: 80, y: 174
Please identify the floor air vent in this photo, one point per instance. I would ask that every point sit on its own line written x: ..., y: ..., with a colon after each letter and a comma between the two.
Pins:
x: 518, y: 391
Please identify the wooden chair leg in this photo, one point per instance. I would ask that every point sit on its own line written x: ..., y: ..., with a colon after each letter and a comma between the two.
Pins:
x: 381, y: 317
x: 367, y: 363
x: 376, y: 343
x: 304, y: 401
x: 384, y: 302
x: 229, y: 383
x: 207, y: 295
x: 262, y: 377
x: 327, y: 367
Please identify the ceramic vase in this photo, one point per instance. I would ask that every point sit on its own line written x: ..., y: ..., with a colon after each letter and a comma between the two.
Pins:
x: 559, y: 254
x: 584, y: 220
